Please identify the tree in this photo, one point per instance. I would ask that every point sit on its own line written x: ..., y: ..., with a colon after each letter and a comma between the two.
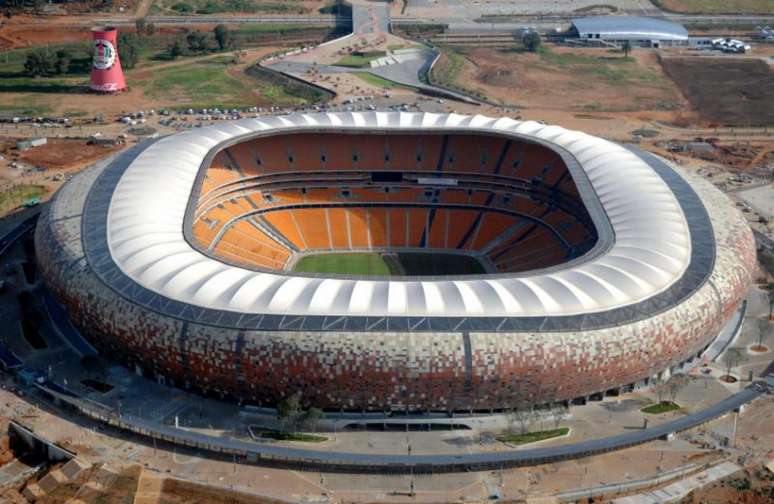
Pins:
x: 310, y: 418
x: 675, y: 384
x: 288, y: 412
x: 523, y: 417
x: 239, y: 55
x: 531, y: 40
x: 128, y: 49
x: 659, y: 388
x: 62, y: 63
x: 175, y: 49
x: 39, y: 63
x: 150, y: 29
x: 626, y: 47
x: 197, y: 41
x: 222, y: 36
x: 510, y: 420
x: 182, y: 8
x: 558, y: 414
x: 731, y: 359
x: 141, y: 25
x: 764, y: 329
x: 769, y: 288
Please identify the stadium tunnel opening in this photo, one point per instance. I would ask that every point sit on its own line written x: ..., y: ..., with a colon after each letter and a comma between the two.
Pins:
x: 404, y: 426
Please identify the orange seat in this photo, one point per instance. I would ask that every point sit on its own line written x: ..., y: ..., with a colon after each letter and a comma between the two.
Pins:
x: 358, y: 227
x: 284, y: 222
x: 378, y: 226
x: 493, y: 224
x: 337, y: 217
x: 398, y: 231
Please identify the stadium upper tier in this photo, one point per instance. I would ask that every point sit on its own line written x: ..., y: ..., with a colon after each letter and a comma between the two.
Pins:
x: 512, y: 204
x: 643, y: 243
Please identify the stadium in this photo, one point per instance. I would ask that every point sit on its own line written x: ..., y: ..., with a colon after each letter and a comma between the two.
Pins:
x: 395, y: 262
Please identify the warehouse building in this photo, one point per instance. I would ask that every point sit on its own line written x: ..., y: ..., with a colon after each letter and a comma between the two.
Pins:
x: 638, y: 31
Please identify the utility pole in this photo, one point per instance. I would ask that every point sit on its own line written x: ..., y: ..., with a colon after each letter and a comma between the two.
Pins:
x: 733, y: 430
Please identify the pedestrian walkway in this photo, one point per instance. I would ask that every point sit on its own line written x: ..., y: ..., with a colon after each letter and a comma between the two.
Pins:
x: 390, y: 463
x: 679, y: 489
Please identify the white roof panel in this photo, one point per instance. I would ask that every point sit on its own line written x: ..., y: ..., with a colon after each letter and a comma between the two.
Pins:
x: 650, y: 250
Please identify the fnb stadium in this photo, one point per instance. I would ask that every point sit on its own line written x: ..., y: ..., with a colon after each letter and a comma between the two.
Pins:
x: 395, y: 262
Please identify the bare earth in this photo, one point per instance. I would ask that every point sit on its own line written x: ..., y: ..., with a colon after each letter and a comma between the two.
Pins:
x: 532, y: 81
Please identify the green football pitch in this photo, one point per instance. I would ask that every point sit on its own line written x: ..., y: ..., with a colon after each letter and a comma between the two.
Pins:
x: 345, y: 264
x: 380, y: 264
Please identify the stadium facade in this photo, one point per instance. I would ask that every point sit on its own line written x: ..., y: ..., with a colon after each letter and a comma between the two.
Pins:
x: 637, y: 268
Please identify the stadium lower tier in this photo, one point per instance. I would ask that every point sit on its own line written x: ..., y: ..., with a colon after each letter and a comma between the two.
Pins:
x: 404, y: 364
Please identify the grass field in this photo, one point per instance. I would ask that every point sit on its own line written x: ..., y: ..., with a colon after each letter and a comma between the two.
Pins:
x: 381, y: 82
x: 532, y: 437
x: 219, y: 6
x: 198, y: 83
x: 717, y: 6
x: 359, y: 60
x: 14, y: 196
x: 448, y: 67
x: 409, y: 263
x: 193, y: 80
x: 609, y: 68
x: 287, y: 436
x: 662, y: 407
x: 345, y: 264
x: 550, y: 78
x: 216, y: 81
x: 379, y: 264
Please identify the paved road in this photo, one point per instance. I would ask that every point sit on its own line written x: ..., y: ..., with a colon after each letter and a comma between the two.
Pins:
x: 408, y: 73
x: 461, y: 25
x: 321, y: 20
x: 371, y: 20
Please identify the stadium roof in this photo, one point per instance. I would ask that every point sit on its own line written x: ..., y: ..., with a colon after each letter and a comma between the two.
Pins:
x: 650, y: 250
x: 630, y: 27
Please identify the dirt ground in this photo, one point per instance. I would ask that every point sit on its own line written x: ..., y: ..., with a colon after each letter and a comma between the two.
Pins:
x: 46, y: 167
x: 24, y: 31
x: 14, y: 36
x: 60, y: 154
x: 737, y: 157
x: 569, y: 79
x: 183, y: 492
x: 752, y: 486
x: 731, y: 91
